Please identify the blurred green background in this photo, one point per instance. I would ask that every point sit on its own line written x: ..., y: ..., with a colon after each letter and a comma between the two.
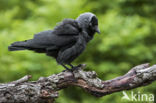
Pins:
x: 128, y: 38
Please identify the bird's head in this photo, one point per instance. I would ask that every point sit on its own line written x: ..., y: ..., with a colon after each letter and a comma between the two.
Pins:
x: 89, y: 22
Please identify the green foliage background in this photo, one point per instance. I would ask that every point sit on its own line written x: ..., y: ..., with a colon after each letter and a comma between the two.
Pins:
x: 128, y: 38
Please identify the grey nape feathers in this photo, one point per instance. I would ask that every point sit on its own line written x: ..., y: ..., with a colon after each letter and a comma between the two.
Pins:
x: 66, y: 42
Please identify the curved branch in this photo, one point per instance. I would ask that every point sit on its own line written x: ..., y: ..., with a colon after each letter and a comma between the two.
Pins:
x: 45, y: 90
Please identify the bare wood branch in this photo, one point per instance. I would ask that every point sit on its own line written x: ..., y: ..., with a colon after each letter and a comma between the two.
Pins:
x: 21, y: 80
x: 45, y: 90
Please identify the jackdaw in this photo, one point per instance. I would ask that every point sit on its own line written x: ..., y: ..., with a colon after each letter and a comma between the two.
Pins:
x: 66, y: 42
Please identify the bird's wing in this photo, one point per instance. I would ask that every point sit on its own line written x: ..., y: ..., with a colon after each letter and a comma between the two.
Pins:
x: 47, y: 40
x: 66, y: 33
x: 67, y: 27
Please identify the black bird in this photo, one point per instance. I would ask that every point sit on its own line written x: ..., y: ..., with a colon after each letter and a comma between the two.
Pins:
x: 66, y: 42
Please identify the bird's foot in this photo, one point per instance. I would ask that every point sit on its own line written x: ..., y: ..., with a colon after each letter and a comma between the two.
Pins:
x: 73, y: 68
x: 68, y: 70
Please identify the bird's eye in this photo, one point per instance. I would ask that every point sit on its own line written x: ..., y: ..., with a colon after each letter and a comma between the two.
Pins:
x: 90, y: 24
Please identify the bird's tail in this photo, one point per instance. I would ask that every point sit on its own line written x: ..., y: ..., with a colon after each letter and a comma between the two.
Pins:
x: 20, y: 45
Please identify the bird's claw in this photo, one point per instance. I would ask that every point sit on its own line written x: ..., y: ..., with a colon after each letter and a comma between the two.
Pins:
x: 76, y: 67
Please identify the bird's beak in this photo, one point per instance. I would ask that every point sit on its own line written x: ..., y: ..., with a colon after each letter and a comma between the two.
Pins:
x: 97, y: 30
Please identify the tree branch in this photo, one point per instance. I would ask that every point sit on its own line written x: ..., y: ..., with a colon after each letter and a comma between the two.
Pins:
x: 45, y: 90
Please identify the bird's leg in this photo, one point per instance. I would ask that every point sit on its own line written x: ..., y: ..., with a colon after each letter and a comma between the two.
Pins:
x: 65, y: 67
x: 71, y: 65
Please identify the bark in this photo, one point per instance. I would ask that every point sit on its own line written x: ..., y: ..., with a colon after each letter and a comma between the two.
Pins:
x: 45, y: 89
